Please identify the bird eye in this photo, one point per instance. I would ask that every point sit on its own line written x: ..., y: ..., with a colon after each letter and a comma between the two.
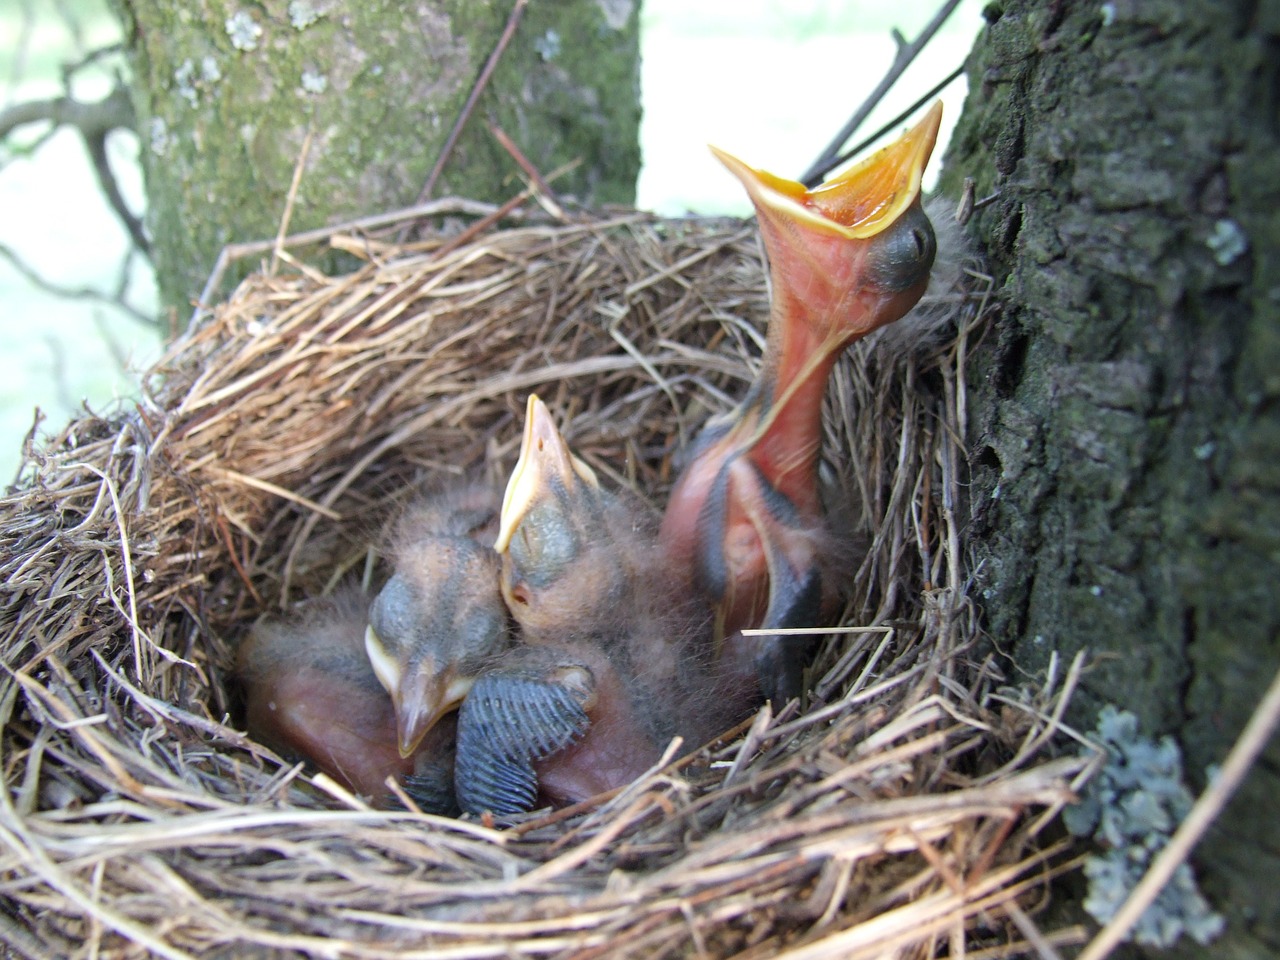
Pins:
x: 902, y: 256
x: 544, y: 544
x: 919, y: 237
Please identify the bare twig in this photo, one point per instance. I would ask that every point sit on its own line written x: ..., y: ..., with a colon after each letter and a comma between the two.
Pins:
x: 509, y: 31
x: 96, y: 145
x: 907, y: 52
x: 544, y: 188
x: 113, y: 112
x: 90, y: 58
x: 94, y: 122
x: 821, y: 168
x: 290, y: 198
x: 116, y: 299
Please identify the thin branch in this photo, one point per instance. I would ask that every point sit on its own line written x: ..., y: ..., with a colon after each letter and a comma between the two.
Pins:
x: 73, y: 293
x: 97, y: 118
x: 28, y: 149
x: 290, y: 199
x: 822, y: 168
x: 97, y: 147
x: 554, y: 206
x: 69, y: 70
x: 907, y: 52
x: 503, y: 211
x: 513, y: 21
x: 94, y: 122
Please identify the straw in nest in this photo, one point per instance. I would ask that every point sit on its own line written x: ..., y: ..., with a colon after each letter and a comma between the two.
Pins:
x: 896, y: 814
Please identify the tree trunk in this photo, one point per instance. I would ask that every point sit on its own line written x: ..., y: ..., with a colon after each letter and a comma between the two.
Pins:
x: 1126, y: 448
x: 227, y: 93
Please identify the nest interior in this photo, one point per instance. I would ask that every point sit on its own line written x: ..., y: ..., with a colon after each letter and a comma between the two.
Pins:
x: 895, y: 813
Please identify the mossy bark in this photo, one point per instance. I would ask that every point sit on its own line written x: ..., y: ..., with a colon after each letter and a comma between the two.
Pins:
x: 227, y: 92
x: 1126, y: 444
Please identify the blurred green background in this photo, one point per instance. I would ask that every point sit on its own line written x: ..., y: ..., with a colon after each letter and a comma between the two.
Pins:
x: 768, y: 80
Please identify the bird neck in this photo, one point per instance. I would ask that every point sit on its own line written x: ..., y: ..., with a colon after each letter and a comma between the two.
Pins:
x: 802, y: 348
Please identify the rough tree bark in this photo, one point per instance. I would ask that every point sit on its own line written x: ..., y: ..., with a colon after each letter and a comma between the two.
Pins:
x: 1126, y: 447
x: 226, y: 93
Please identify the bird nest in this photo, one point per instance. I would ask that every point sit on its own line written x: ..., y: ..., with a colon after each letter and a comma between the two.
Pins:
x: 897, y: 812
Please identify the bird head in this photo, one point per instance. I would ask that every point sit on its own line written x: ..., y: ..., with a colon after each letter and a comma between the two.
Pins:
x: 553, y: 536
x: 432, y: 627
x: 859, y: 245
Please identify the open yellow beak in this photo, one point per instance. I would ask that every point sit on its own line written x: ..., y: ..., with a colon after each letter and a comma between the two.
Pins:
x: 862, y: 201
x: 543, y: 455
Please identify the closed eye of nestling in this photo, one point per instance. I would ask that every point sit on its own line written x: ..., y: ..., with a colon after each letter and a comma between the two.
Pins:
x: 921, y: 241
x: 902, y: 256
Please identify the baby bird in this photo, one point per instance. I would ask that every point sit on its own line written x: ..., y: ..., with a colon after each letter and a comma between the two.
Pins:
x: 440, y: 616
x: 745, y: 519
x: 607, y: 667
x: 310, y: 692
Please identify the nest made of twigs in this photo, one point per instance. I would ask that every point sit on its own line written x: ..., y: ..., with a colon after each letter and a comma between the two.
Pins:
x: 895, y: 814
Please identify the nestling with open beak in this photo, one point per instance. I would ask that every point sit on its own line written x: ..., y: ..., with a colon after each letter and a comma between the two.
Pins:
x: 745, y: 518
x: 440, y: 616
x: 310, y: 692
x: 607, y: 669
